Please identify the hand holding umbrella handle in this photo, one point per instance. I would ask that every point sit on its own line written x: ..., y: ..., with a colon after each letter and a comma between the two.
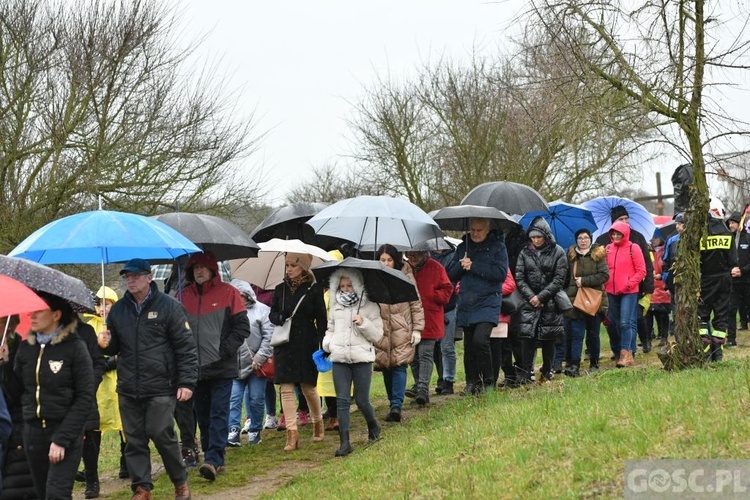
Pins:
x: 104, y: 338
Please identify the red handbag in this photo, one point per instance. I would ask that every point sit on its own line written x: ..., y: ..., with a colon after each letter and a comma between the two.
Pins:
x: 266, y: 370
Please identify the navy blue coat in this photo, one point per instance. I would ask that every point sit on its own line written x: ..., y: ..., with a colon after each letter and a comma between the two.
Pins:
x: 480, y: 295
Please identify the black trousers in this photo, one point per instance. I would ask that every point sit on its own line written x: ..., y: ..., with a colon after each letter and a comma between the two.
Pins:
x: 739, y: 301
x: 184, y: 414
x: 715, y: 293
x: 477, y: 355
x: 50, y: 480
x: 528, y: 348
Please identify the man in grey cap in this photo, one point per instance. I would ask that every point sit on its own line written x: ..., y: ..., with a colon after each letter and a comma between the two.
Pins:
x: 157, y: 366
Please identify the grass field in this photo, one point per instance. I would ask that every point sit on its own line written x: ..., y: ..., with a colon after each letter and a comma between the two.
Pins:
x: 565, y: 439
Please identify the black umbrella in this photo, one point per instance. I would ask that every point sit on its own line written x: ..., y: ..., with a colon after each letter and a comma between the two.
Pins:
x: 457, y: 218
x: 667, y: 230
x: 510, y: 197
x: 383, y: 284
x: 288, y: 223
x: 225, y: 239
x: 45, y: 279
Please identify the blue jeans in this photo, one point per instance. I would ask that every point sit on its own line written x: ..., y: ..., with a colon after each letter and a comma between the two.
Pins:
x: 579, y: 329
x: 623, y: 312
x: 212, y: 410
x: 395, y: 385
x: 448, y: 347
x: 253, y: 391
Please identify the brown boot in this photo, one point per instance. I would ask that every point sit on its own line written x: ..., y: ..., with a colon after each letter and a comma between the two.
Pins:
x: 318, y: 433
x: 182, y: 492
x: 620, y: 359
x: 628, y: 359
x: 141, y: 493
x: 292, y: 440
x: 333, y: 424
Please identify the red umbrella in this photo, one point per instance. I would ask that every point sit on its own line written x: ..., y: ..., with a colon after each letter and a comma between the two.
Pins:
x: 17, y: 298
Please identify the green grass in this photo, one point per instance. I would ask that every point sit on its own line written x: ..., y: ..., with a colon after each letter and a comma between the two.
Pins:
x: 565, y: 439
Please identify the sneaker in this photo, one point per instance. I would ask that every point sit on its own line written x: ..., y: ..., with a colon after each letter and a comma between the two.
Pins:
x: 253, y: 438
x: 190, y: 457
x: 271, y: 422
x: 207, y: 471
x: 233, y: 439
x: 593, y: 368
x: 302, y: 418
x: 731, y: 343
x: 282, y: 424
x: 246, y: 427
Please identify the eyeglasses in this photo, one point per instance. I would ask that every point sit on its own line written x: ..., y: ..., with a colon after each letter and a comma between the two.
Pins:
x: 133, y: 276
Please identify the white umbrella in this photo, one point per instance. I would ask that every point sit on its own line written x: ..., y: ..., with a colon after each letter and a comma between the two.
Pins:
x: 268, y: 268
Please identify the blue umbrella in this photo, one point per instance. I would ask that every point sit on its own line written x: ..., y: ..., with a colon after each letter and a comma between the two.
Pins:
x: 564, y: 219
x: 601, y: 208
x: 103, y: 237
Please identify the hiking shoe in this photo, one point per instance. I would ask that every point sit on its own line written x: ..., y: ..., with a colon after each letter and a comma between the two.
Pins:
x: 271, y: 422
x: 245, y: 428
x: 411, y: 392
x: 422, y: 399
x: 190, y: 457
x: 439, y: 387
x: 593, y: 368
x: 81, y: 476
x: 447, y: 388
x: 207, y: 471
x: 141, y: 493
x: 253, y: 438
x: 302, y: 418
x: 182, y: 492
x: 234, y: 437
x: 92, y: 490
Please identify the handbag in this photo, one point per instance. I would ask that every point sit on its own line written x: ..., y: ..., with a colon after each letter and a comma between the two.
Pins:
x: 588, y: 300
x: 281, y: 332
x: 562, y: 301
x: 512, y: 302
x: 266, y: 370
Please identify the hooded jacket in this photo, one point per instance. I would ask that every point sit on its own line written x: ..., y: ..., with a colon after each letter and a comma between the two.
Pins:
x: 218, y: 320
x: 58, y: 383
x: 156, y: 351
x: 257, y: 347
x: 399, y: 321
x: 479, y: 296
x: 347, y: 342
x: 627, y: 266
x: 435, y: 291
x: 593, y: 271
x: 541, y: 272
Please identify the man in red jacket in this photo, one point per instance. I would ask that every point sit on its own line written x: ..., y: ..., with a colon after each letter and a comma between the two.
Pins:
x: 219, y: 323
x: 435, y: 290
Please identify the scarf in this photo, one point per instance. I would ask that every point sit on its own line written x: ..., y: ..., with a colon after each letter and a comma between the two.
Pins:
x: 295, y: 283
x: 582, y: 252
x: 346, y: 299
x: 45, y: 338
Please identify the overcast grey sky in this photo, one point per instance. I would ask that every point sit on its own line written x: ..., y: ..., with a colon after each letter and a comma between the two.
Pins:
x: 301, y: 63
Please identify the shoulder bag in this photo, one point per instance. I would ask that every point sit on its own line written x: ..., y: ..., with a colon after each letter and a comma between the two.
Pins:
x: 511, y: 302
x: 588, y: 300
x: 281, y: 332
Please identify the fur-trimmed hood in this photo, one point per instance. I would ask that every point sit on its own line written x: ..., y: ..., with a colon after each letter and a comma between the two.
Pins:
x: 597, y: 252
x: 66, y: 332
x: 352, y: 274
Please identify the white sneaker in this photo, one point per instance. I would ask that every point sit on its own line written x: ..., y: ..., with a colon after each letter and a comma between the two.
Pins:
x: 253, y: 438
x: 234, y: 436
x: 271, y: 422
x: 246, y: 427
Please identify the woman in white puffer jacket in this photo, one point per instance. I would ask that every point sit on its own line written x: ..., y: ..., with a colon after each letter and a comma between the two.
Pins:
x: 354, y: 325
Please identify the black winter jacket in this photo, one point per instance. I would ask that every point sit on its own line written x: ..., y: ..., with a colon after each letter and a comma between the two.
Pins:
x: 155, y: 348
x: 293, y: 361
x: 541, y: 272
x: 741, y: 247
x: 58, y: 383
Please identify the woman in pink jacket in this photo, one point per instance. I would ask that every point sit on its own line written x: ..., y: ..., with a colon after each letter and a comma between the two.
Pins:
x: 627, y: 268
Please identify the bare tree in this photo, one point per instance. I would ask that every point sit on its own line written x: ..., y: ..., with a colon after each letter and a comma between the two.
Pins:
x: 97, y: 99
x: 331, y: 183
x: 657, y: 55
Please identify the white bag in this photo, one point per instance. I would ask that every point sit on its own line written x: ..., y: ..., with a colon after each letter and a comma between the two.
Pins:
x: 281, y: 332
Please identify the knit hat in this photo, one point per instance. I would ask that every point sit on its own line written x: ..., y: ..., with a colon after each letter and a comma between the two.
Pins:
x: 680, y: 217
x: 583, y: 230
x: 535, y: 232
x: 617, y: 212
x: 735, y: 216
x: 304, y: 260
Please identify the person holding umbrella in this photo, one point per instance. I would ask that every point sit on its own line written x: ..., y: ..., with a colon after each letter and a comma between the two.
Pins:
x: 55, y: 371
x: 403, y: 323
x: 354, y: 325
x: 480, y: 264
x: 293, y: 363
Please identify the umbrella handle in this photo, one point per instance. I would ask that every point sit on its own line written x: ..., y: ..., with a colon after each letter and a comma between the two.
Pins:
x: 5, y: 333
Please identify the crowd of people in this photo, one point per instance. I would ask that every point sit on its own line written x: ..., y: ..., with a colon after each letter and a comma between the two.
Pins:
x: 147, y: 360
